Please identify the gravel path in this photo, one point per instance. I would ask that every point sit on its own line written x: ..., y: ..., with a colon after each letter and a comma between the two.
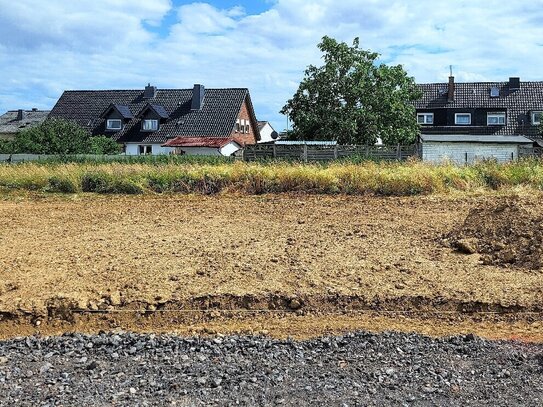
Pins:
x: 351, y: 370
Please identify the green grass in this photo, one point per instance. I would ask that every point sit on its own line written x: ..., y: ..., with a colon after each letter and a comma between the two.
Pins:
x: 381, y: 178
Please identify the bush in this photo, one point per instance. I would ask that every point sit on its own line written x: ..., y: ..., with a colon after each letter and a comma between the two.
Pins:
x: 103, y: 145
x: 60, y: 184
x: 53, y: 136
x: 104, y: 183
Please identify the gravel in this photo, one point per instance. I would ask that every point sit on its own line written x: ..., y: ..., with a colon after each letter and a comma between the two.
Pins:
x: 351, y: 370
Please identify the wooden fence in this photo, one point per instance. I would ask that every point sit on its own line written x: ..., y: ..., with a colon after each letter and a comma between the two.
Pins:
x: 530, y: 151
x: 308, y: 152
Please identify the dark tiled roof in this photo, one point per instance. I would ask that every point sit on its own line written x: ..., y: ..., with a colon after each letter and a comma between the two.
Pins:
x: 216, y: 118
x: 454, y: 138
x: 123, y: 110
x: 476, y: 95
x: 10, y: 124
x: 159, y: 110
x: 216, y: 142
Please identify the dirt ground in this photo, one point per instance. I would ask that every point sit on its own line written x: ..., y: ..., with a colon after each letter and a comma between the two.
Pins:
x: 283, y: 265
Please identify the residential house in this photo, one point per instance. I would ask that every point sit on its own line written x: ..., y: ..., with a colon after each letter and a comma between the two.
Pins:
x: 165, y: 121
x: 13, y: 121
x: 481, y: 108
x: 460, y: 112
x: 267, y: 133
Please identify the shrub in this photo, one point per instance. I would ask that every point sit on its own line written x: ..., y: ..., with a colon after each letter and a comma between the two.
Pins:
x: 61, y: 184
x: 103, y: 183
x: 103, y: 145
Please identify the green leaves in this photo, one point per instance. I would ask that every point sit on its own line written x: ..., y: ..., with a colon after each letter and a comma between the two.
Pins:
x: 59, y: 137
x: 353, y: 100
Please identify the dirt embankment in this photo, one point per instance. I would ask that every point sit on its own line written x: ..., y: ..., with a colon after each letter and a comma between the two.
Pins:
x: 507, y: 233
x: 283, y: 264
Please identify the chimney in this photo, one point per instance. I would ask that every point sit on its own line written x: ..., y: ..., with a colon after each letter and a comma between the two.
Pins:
x: 20, y: 114
x: 149, y: 92
x: 514, y: 83
x: 450, y: 92
x: 34, y: 109
x: 198, y: 94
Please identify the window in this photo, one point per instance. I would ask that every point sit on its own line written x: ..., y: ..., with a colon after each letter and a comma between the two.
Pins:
x: 144, y: 150
x: 114, y: 124
x: 247, y: 128
x: 237, y: 126
x: 150, y: 125
x: 495, y: 119
x: 425, y: 118
x: 462, y: 118
x: 536, y: 117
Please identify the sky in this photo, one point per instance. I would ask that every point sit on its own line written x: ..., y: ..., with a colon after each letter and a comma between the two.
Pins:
x: 50, y: 46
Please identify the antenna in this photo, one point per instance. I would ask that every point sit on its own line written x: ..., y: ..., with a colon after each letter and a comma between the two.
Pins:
x: 450, y: 68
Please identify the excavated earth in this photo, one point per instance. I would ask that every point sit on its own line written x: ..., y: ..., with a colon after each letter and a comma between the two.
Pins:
x: 296, y: 266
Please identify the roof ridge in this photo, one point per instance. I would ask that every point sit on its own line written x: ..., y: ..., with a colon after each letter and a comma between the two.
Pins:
x: 141, y: 90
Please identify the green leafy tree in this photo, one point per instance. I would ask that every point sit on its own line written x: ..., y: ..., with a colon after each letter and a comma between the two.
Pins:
x: 353, y: 100
x: 60, y: 137
x: 103, y: 145
x: 53, y: 136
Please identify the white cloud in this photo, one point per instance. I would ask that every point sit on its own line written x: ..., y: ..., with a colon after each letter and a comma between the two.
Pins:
x: 109, y: 44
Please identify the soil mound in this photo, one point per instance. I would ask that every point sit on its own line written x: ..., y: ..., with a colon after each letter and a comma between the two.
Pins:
x: 506, y: 233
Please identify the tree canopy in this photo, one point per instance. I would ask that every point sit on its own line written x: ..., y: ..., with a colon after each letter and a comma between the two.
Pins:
x: 353, y: 100
x: 58, y: 137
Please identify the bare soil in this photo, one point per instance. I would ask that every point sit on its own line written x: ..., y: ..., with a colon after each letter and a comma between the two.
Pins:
x: 283, y: 265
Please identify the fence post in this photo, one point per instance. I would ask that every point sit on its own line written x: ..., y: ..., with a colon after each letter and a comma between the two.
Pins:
x: 398, y: 152
x: 335, y: 152
x: 274, y: 152
x: 305, y: 153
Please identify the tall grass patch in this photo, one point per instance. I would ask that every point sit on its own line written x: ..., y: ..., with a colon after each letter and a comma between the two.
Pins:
x: 381, y: 178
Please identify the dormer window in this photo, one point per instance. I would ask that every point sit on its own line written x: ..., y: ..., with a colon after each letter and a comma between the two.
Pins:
x: 150, y: 125
x: 114, y: 124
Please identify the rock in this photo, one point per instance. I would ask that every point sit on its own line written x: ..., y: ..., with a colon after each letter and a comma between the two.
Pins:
x: 508, y: 256
x: 92, y: 365
x: 468, y: 246
x: 115, y: 298
x: 201, y: 380
x: 132, y: 390
x: 3, y: 360
x: 216, y: 382
x: 295, y: 304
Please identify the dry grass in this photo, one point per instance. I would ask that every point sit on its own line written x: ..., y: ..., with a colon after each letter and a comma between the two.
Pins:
x: 412, y: 178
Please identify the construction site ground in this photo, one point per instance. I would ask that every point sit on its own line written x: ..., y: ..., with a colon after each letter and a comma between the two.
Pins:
x: 297, y: 266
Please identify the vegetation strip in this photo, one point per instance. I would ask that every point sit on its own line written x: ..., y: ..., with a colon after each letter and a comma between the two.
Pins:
x: 412, y: 178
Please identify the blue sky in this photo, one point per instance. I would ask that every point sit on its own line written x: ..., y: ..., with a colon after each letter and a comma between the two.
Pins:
x: 49, y: 46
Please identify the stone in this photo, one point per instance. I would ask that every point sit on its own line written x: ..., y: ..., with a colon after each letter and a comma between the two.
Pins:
x: 295, y: 304
x: 115, y: 298
x: 467, y: 246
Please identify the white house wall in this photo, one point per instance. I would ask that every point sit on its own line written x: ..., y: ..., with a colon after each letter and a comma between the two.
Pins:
x: 133, y: 149
x: 229, y: 149
x: 200, y: 150
x: 265, y: 133
x: 467, y: 153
